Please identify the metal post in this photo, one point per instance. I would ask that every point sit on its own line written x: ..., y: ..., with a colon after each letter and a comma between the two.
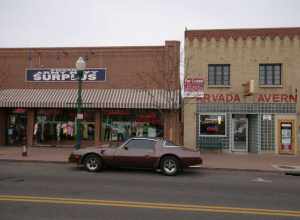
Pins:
x: 79, y: 106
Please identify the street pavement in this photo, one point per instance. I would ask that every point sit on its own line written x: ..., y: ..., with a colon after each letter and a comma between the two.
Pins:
x: 64, y: 191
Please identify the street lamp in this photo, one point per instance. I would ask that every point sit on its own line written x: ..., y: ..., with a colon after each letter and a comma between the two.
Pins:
x: 80, y: 66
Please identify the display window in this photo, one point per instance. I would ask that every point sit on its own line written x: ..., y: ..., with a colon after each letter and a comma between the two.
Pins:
x: 212, y: 125
x: 118, y: 125
x: 60, y: 125
x: 16, y: 128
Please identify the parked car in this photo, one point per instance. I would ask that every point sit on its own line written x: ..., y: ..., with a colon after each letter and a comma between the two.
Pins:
x: 141, y: 153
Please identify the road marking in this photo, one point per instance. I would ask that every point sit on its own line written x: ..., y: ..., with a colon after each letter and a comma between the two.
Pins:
x: 150, y: 205
x: 261, y: 180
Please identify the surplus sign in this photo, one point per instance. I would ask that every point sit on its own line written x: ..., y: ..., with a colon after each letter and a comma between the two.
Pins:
x: 64, y: 75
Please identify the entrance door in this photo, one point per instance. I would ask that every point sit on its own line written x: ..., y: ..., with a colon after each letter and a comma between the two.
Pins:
x: 240, y: 134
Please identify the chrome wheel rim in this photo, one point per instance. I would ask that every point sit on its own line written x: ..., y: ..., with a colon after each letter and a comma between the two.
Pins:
x: 92, y: 164
x: 169, y: 166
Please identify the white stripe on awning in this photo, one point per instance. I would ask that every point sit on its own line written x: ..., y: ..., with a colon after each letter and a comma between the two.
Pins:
x: 92, y: 98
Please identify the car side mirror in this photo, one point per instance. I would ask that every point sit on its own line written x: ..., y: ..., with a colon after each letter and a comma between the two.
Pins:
x: 125, y: 148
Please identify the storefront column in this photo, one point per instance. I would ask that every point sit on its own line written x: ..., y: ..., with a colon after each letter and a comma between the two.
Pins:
x: 98, y: 127
x: 166, y: 125
x: 3, y: 124
x: 190, y: 118
x: 30, y: 126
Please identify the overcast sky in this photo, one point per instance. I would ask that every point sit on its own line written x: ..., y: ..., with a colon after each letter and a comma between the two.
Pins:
x: 56, y: 23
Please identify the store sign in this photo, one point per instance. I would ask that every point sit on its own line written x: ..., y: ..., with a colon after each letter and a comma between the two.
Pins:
x: 267, y: 117
x: 64, y: 75
x: 227, y: 98
x: 260, y: 98
x: 194, y: 87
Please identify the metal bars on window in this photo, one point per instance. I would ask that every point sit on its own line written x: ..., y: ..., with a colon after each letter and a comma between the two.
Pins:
x: 219, y: 74
x: 270, y: 74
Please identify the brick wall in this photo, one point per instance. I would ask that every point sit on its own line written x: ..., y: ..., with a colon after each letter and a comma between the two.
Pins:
x: 127, y: 67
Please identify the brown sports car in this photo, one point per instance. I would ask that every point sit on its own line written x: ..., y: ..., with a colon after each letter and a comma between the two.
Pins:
x: 142, y: 153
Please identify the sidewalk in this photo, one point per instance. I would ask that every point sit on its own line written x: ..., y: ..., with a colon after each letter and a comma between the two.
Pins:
x: 212, y: 160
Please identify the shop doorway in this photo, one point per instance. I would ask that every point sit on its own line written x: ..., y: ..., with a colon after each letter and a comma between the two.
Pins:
x: 240, y: 134
x: 16, y: 127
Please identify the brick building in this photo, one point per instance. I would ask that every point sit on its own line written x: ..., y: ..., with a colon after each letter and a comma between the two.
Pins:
x: 127, y: 91
x: 251, y: 80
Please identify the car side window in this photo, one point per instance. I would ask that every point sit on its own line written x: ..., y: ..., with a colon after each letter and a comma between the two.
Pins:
x: 141, y: 144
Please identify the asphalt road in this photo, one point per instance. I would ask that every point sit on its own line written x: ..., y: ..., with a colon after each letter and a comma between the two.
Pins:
x: 63, y: 191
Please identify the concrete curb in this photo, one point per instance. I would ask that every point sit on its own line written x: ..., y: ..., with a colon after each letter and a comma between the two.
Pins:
x: 33, y: 161
x: 243, y: 170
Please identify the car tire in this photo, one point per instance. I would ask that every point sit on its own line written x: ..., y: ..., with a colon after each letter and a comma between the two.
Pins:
x: 170, y: 166
x: 93, y: 163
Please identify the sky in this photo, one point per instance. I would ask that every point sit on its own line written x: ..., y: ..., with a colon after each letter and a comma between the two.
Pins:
x: 76, y: 23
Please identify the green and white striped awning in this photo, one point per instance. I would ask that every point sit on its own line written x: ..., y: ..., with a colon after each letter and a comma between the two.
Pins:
x: 91, y: 98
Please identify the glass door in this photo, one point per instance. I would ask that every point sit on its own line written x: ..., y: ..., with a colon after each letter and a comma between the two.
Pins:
x: 240, y: 134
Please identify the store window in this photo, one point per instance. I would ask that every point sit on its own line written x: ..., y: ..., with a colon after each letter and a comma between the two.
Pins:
x: 270, y: 74
x: 119, y: 125
x: 54, y: 126
x: 219, y: 74
x: 212, y: 125
x: 16, y: 127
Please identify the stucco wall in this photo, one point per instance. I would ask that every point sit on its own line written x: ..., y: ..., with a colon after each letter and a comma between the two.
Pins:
x: 244, y: 56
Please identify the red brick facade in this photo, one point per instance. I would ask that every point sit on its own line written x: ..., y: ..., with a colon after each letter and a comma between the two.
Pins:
x: 127, y: 67
x: 146, y: 67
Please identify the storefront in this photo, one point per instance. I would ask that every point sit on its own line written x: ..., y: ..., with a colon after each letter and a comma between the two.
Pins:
x: 126, y: 92
x: 248, y: 127
x: 248, y: 98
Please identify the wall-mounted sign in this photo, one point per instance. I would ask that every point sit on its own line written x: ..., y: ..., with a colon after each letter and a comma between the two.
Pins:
x: 64, y: 75
x: 267, y: 117
x: 194, y: 87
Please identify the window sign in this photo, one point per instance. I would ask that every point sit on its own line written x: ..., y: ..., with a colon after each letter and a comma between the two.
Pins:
x: 286, y: 137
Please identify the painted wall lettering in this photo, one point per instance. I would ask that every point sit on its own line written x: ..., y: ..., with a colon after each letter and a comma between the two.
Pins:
x: 261, y: 98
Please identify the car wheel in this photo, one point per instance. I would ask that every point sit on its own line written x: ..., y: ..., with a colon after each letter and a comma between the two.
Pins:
x: 93, y: 163
x: 170, y: 166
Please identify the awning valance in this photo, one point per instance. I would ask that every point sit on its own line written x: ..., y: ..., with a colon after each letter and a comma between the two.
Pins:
x: 92, y: 98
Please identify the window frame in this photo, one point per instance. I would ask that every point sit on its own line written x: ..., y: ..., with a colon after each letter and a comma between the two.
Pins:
x: 215, y: 67
x: 206, y: 135
x: 265, y: 75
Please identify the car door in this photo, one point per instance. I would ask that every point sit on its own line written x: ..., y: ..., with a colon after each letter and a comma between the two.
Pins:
x: 137, y: 153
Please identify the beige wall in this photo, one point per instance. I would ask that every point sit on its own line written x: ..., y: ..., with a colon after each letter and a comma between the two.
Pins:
x: 189, y: 115
x: 244, y: 57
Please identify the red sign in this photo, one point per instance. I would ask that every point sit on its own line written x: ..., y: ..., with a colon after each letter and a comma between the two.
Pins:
x: 194, y: 87
x: 277, y: 98
x: 228, y: 98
